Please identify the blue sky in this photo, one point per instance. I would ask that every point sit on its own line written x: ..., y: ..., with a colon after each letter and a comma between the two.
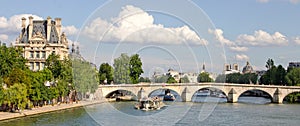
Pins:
x: 178, y: 34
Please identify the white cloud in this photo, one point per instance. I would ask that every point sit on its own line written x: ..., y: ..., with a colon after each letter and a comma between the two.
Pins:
x: 294, y: 1
x: 218, y: 33
x: 241, y: 57
x: 3, y: 37
x: 297, y: 40
x: 262, y: 38
x: 135, y: 25
x: 3, y: 22
x: 263, y: 1
x: 70, y: 30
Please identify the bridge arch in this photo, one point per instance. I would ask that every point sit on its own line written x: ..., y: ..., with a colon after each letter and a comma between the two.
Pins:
x: 217, y: 89
x: 286, y: 94
x: 105, y: 93
x: 270, y: 92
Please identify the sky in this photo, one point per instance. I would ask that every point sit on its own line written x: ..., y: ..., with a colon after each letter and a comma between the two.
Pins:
x: 182, y: 35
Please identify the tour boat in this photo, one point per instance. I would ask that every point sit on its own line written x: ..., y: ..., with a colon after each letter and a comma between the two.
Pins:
x: 146, y: 104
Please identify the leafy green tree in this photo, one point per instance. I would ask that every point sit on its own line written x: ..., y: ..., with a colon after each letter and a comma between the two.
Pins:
x: 122, y: 69
x: 106, y: 72
x: 293, y: 77
x: 161, y: 79
x: 17, y: 95
x: 221, y: 78
x: 248, y: 78
x: 54, y: 65
x: 171, y: 80
x: 10, y: 58
x: 136, y: 69
x: 204, y: 77
x: 84, y: 77
x: 144, y: 79
x: 269, y: 63
x: 184, y: 79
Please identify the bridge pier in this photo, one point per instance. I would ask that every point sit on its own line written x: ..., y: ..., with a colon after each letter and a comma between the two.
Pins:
x: 186, y: 95
x: 141, y: 94
x: 277, y: 97
x: 232, y: 96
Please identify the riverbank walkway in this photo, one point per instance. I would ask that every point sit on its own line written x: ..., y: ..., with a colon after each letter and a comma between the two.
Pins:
x: 45, y: 109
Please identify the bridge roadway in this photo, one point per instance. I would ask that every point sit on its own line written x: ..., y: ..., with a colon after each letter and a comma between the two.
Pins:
x: 187, y: 90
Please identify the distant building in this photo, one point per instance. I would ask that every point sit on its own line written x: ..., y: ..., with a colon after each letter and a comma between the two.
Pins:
x: 191, y: 76
x: 248, y: 68
x: 229, y: 69
x: 294, y: 65
x: 40, y: 39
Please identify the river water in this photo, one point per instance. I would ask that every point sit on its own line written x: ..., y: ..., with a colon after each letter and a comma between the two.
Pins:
x: 249, y: 111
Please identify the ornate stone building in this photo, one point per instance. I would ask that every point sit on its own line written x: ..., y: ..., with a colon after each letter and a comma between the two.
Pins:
x: 40, y: 39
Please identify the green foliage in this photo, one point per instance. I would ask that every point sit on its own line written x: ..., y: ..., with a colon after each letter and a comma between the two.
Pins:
x: 106, y: 73
x: 238, y: 78
x: 184, y: 79
x: 54, y: 65
x: 161, y: 79
x: 269, y: 63
x: 136, y: 69
x: 221, y: 78
x: 84, y: 77
x: 10, y: 58
x: 171, y: 80
x: 144, y: 79
x: 204, y: 77
x: 293, y: 77
x: 17, y: 95
x: 274, y: 75
x: 122, y: 69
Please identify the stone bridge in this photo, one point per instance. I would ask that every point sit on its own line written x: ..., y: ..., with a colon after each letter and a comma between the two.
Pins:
x: 187, y: 90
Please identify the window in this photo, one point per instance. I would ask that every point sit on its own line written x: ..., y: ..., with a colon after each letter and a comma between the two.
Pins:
x: 43, y: 54
x: 37, y: 65
x: 31, y: 54
x: 31, y: 66
x: 37, y: 54
x: 42, y: 66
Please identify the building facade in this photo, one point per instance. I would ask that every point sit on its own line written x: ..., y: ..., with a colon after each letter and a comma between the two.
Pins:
x: 40, y: 39
x: 294, y: 65
x: 229, y: 69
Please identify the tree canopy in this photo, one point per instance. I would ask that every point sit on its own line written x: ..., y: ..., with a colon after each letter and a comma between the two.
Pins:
x: 106, y: 73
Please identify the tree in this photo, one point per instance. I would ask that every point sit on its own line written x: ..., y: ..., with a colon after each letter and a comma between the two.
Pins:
x: 293, y: 77
x: 204, y: 77
x: 10, y: 58
x: 171, y: 80
x: 161, y: 79
x: 248, y: 78
x: 269, y: 63
x: 54, y: 65
x: 280, y: 76
x: 136, y: 69
x: 184, y: 79
x: 106, y: 73
x: 16, y: 95
x: 122, y: 69
x: 144, y: 79
x: 84, y: 77
x: 221, y: 78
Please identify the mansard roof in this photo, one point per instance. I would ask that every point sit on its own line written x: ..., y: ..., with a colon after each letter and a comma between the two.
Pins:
x: 40, y: 27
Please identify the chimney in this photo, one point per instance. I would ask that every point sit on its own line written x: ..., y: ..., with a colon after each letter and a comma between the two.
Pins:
x: 30, y: 30
x: 48, y: 28
x: 58, y: 26
x: 23, y: 22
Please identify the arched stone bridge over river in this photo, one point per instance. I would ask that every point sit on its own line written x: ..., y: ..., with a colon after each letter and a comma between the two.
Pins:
x: 187, y: 90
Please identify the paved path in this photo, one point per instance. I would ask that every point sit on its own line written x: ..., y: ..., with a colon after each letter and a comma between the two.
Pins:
x: 45, y: 109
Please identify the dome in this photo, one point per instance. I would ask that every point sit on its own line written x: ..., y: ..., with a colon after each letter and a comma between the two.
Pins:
x: 248, y: 68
